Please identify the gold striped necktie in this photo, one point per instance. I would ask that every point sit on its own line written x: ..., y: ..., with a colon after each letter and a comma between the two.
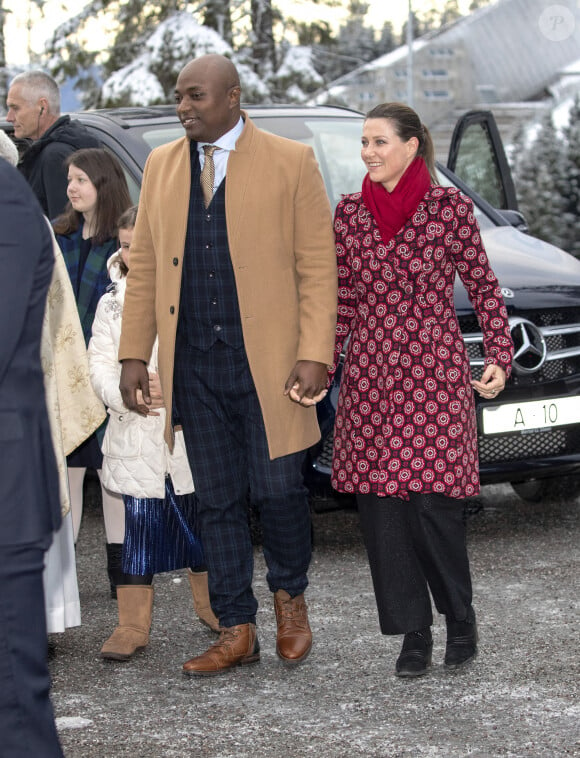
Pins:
x: 208, y: 174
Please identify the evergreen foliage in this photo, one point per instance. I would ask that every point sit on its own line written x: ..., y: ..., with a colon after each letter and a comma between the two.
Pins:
x: 546, y: 174
x: 572, y: 179
x: 252, y: 32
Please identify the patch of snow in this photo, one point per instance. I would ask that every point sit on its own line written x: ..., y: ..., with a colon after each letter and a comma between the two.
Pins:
x: 72, y: 722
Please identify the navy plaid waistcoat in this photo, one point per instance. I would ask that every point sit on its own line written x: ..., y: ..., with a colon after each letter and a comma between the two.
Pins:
x: 209, y: 309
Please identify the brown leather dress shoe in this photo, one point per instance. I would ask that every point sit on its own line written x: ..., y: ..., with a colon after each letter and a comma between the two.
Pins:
x: 294, y: 636
x: 236, y: 646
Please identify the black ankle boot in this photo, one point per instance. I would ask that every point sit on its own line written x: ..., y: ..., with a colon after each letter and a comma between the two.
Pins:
x: 415, y: 656
x: 115, y: 566
x: 461, y: 641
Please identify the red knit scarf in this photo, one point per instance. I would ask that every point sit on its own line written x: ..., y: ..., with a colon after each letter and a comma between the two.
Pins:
x: 391, y: 210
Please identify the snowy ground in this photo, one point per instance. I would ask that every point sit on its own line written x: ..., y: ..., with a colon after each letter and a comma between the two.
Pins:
x: 519, y: 699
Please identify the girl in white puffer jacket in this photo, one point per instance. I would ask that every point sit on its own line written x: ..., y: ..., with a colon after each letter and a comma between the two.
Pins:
x: 156, y: 484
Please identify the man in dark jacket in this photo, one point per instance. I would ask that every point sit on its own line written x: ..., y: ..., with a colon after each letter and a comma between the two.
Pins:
x: 33, y: 104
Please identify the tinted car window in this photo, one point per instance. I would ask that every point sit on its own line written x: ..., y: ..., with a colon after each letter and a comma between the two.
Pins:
x: 159, y: 136
x: 482, y: 218
x: 475, y: 168
x: 336, y: 143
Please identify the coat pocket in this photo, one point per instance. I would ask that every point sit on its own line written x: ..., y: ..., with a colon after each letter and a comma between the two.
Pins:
x: 123, y: 437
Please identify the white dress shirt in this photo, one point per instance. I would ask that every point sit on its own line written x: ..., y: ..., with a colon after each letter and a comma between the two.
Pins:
x: 226, y: 143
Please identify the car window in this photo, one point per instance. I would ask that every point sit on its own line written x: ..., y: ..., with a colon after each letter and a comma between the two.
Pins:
x: 336, y: 145
x: 482, y: 218
x: 132, y: 183
x: 161, y: 135
x: 477, y: 168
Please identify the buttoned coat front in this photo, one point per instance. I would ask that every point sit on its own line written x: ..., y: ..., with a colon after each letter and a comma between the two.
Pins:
x: 279, y: 227
x: 405, y: 420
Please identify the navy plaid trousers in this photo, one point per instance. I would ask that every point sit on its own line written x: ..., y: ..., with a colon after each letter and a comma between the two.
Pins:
x: 225, y: 437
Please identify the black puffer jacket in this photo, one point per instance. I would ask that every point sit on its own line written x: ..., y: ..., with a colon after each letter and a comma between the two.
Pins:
x: 43, y: 163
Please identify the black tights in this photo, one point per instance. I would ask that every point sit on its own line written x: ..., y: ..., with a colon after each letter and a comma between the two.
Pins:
x: 136, y: 579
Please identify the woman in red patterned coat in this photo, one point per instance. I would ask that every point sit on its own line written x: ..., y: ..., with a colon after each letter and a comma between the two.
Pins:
x: 405, y: 433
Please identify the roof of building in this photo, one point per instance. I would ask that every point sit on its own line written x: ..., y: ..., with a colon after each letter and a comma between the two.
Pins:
x: 515, y: 48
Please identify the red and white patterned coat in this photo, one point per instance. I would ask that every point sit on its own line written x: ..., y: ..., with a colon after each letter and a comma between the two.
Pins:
x: 405, y: 419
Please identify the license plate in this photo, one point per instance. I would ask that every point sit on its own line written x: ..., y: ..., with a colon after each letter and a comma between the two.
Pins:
x: 534, y: 414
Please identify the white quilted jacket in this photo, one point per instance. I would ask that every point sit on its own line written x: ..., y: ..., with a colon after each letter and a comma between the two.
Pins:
x: 136, y: 458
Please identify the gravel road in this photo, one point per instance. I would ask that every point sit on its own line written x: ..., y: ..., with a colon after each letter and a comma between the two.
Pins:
x: 518, y: 699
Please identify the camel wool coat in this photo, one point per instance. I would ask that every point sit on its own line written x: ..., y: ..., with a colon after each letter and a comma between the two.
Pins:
x: 279, y: 225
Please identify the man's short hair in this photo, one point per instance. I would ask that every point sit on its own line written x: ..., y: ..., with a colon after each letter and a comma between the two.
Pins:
x: 37, y: 84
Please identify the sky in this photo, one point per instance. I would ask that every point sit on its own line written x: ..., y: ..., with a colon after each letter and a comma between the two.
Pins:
x: 26, y: 28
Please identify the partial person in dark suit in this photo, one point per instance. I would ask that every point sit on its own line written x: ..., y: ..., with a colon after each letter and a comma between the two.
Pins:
x: 33, y: 104
x: 29, y: 486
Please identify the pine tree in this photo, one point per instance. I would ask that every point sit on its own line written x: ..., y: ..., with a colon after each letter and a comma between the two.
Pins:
x: 387, y: 40
x: 135, y: 22
x: 218, y: 16
x: 4, y: 11
x: 475, y: 5
x: 450, y: 12
x: 354, y: 44
x: 3, y: 71
x: 262, y: 38
x: 417, y: 26
x: 572, y: 179
x: 540, y: 181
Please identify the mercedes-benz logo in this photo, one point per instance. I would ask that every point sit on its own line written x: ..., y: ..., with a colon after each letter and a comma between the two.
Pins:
x: 529, y: 346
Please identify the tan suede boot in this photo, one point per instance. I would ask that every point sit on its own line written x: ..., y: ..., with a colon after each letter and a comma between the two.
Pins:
x: 201, y: 604
x: 135, y: 602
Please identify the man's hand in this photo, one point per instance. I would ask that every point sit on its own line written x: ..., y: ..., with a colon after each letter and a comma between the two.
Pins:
x: 306, y: 384
x: 134, y: 376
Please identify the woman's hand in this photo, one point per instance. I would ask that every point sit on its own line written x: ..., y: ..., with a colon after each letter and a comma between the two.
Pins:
x: 492, y: 382
x: 155, y: 393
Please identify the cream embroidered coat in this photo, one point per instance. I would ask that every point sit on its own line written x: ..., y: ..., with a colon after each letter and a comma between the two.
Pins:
x: 74, y: 410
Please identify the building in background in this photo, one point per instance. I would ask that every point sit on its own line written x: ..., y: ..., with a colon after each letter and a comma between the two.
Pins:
x: 511, y: 57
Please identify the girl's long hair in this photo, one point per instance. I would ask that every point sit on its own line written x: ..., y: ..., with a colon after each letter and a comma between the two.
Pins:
x: 126, y: 220
x: 106, y: 174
